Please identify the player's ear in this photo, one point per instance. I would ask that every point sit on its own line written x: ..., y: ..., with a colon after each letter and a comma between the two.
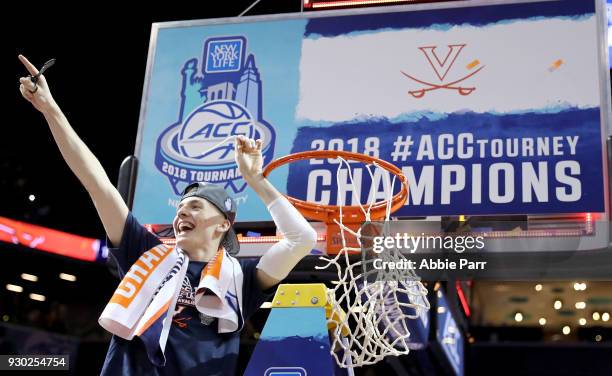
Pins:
x: 224, y: 226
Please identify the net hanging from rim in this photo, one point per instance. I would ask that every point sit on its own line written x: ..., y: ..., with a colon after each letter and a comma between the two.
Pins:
x: 374, y: 304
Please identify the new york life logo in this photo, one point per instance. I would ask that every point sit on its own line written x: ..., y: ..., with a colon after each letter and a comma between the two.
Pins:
x: 441, y: 66
x: 223, y: 101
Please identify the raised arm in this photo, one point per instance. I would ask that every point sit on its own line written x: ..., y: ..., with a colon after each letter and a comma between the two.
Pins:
x: 298, y: 236
x: 109, y: 204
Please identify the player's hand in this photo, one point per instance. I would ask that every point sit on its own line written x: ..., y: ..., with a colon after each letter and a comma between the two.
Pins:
x: 248, y: 157
x: 36, y: 93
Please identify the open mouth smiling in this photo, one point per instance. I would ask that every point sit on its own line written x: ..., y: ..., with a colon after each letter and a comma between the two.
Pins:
x: 184, y: 227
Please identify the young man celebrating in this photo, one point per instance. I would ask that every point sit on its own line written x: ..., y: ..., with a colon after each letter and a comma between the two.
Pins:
x: 203, y: 229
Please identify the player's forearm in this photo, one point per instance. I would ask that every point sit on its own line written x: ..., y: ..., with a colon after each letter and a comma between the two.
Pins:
x: 263, y: 188
x: 77, y: 155
x: 299, y: 238
x: 109, y: 204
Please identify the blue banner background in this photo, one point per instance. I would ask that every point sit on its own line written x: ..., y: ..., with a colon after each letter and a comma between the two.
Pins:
x: 574, y: 122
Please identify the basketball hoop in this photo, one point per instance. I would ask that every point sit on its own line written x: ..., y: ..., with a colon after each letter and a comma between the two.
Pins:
x: 352, y: 216
x: 376, y: 309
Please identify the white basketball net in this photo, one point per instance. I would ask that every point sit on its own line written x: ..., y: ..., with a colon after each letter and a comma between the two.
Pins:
x: 377, y: 303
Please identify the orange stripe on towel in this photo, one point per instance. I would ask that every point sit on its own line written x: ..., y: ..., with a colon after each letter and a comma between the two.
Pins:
x: 138, y: 274
x: 213, y: 268
x: 154, y: 318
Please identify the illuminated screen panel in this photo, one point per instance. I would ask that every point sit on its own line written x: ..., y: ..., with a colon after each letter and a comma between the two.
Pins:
x: 330, y: 4
x: 48, y: 240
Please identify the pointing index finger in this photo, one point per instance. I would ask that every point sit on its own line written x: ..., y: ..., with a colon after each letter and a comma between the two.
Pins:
x: 31, y: 68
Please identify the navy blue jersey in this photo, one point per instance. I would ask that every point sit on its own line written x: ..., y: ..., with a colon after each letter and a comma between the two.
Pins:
x: 194, y: 347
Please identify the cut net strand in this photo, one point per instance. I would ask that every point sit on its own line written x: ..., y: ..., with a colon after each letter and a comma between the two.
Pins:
x: 375, y: 304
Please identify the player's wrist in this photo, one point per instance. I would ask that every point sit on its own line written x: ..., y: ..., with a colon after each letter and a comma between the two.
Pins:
x: 253, y: 179
x: 50, y: 108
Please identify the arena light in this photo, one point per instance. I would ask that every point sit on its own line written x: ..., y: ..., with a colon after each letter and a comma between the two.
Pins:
x: 38, y: 297
x: 314, y: 4
x: 67, y: 277
x: 605, y: 316
x: 270, y: 239
x: 580, y: 305
x: 538, y: 287
x: 566, y: 330
x: 14, y: 288
x: 542, y: 321
x: 582, y: 321
x: 328, y: 4
x: 462, y: 299
x: 29, y: 277
x: 518, y: 317
x: 558, y: 304
x: 596, y: 316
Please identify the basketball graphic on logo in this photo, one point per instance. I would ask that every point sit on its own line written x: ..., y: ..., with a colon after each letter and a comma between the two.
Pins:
x: 210, y: 124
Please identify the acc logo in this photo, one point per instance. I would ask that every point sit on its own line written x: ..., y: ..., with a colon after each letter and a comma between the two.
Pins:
x: 209, y: 125
x: 441, y: 67
x: 221, y: 102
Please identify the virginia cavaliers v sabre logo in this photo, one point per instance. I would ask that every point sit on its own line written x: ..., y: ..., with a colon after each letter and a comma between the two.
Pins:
x: 441, y: 68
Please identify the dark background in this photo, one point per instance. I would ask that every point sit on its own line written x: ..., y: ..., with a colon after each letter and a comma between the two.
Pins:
x: 101, y: 51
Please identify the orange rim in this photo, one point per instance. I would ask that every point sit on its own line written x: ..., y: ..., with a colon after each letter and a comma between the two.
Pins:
x: 350, y: 214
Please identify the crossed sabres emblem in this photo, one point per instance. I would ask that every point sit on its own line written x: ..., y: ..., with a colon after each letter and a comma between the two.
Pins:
x: 441, y: 68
